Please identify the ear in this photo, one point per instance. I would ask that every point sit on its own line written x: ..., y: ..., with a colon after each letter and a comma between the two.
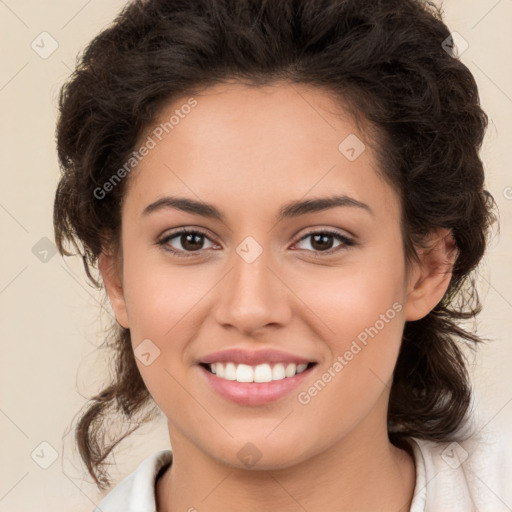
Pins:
x: 429, y: 280
x: 111, y: 274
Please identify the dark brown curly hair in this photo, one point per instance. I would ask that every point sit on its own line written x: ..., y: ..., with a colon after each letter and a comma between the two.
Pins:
x: 386, y: 61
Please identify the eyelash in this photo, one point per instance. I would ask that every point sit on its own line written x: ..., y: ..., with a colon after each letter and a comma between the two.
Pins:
x: 346, y: 242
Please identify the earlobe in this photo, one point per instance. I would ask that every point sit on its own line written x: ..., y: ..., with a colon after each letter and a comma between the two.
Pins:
x: 430, y: 279
x: 113, y: 285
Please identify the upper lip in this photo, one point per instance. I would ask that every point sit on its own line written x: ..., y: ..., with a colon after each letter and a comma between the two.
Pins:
x: 253, y: 357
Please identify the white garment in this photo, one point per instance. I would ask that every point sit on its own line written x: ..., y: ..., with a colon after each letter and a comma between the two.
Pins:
x: 471, y: 476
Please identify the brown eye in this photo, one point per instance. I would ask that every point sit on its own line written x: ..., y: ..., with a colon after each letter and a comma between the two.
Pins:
x: 190, y: 241
x: 322, y: 241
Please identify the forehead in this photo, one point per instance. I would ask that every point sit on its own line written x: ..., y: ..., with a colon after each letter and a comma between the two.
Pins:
x: 235, y: 141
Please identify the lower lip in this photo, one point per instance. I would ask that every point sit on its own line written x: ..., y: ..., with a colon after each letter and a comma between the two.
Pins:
x: 255, y: 393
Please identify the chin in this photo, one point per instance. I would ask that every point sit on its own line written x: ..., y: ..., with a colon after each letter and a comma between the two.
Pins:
x: 261, y: 454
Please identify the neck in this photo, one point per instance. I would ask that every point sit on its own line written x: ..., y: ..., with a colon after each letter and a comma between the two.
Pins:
x: 350, y: 475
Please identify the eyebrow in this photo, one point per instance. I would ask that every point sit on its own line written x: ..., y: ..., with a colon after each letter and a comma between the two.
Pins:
x: 290, y: 210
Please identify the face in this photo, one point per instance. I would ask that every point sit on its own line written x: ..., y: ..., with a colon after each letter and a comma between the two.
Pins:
x: 264, y: 286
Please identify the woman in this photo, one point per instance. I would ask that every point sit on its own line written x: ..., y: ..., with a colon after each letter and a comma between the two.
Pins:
x: 286, y: 203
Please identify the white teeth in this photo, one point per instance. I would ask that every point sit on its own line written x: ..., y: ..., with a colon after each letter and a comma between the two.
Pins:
x: 278, y: 372
x: 244, y: 373
x: 301, y: 367
x: 290, y: 369
x: 230, y: 371
x: 260, y: 373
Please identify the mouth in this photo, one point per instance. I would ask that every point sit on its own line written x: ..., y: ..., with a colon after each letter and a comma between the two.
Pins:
x: 261, y: 373
x: 258, y: 385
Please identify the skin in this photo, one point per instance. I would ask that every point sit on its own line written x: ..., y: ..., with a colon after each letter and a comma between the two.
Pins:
x: 249, y: 151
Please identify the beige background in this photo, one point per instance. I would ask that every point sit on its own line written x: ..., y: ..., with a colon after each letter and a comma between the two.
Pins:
x: 50, y: 321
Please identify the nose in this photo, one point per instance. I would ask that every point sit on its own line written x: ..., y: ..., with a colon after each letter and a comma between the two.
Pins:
x: 253, y: 296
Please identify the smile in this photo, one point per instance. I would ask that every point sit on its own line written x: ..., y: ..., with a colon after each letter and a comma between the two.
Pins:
x: 260, y: 373
x: 256, y: 385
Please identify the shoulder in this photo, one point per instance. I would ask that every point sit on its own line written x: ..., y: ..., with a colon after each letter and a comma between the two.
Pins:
x: 136, y: 492
x: 470, y: 475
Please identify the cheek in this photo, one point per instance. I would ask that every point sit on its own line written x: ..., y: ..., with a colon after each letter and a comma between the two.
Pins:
x: 160, y: 302
x: 367, y: 320
x: 349, y: 298
x: 159, y: 295
x: 362, y: 307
